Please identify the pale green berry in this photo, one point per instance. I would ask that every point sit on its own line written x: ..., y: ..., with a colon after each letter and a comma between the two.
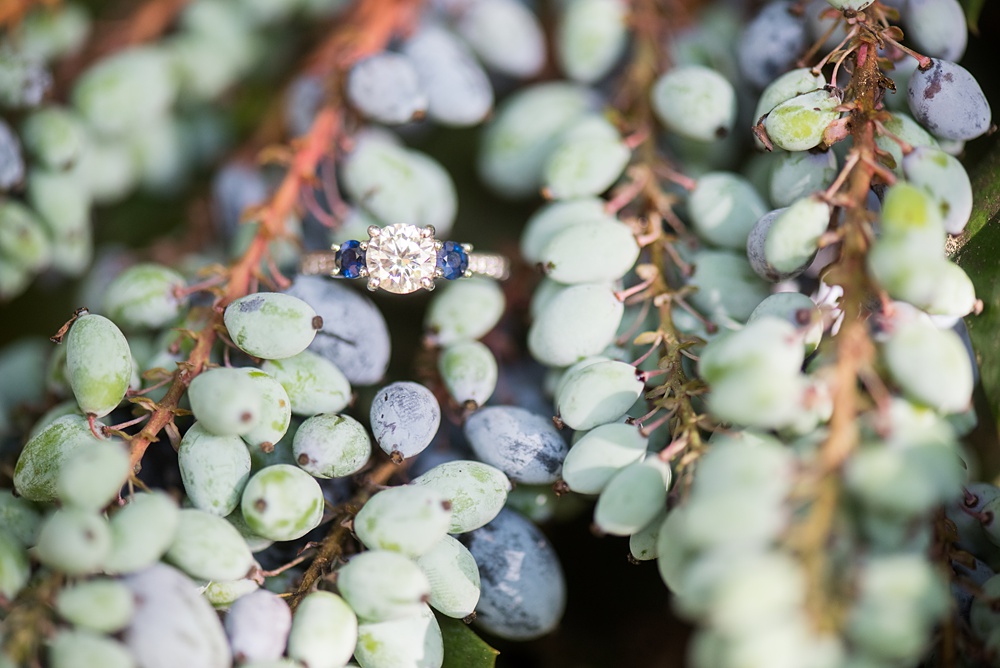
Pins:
x: 399, y: 186
x: 275, y: 410
x: 633, y: 497
x: 464, y: 310
x: 271, y: 325
x: 908, y: 130
x: 43, y: 458
x: 62, y: 203
x: 414, y: 641
x: 98, y: 364
x: 254, y: 542
x: 107, y: 170
x: 581, y: 321
x: 900, y: 598
x: 226, y: 401
x: 798, y: 124
x: 945, y: 179
x: 141, y: 532
x: 762, y: 346
x: 331, y: 446
x: 908, y: 212
x: 600, y: 454
x: 723, y: 208
x: 727, y: 286
x: 103, y: 605
x: 224, y: 593
x: 954, y: 293
x: 597, y: 394
x: 590, y: 252
x: 754, y: 462
x: 672, y: 553
x: 214, y: 469
x: 208, y: 547
x: 15, y: 570
x: 381, y: 585
x: 642, y: 544
x: 19, y: 517
x: 57, y: 32
x: 754, y: 398
x: 74, y: 541
x: 788, y: 85
x: 556, y: 217
x: 591, y: 38
x: 476, y: 491
x: 145, y: 296
x: 80, y: 647
x: 585, y: 167
x: 797, y: 309
x: 407, y: 519
x: 759, y: 590
x: 124, y: 92
x: 454, y: 577
x: 92, y: 477
x: 282, y: 502
x: 314, y: 384
x: 469, y: 371
x: 524, y: 132
x: 54, y: 135
x: 800, y: 173
x: 68, y: 407
x: 13, y: 280
x: 23, y: 240
x: 849, y: 5
x: 173, y: 624
x: 696, y: 102
x: 506, y: 35
x: 930, y: 366
x: 324, y: 631
x: 793, y: 238
x: 905, y: 482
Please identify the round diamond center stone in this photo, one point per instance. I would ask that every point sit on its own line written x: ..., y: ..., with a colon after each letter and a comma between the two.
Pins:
x: 399, y: 258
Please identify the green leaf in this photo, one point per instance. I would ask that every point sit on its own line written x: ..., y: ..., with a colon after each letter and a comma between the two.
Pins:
x: 977, y: 251
x: 973, y: 8
x: 462, y: 647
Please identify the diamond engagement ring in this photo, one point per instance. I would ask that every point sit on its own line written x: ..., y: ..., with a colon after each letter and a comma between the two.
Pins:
x: 402, y: 259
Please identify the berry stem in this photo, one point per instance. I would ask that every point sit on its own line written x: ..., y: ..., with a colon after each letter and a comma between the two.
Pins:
x: 854, y: 350
x: 332, y: 546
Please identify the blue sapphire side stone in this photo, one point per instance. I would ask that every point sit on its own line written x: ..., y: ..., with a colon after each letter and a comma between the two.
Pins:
x: 350, y: 259
x: 452, y: 260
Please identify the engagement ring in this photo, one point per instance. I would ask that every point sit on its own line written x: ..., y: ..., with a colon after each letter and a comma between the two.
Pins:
x: 402, y: 259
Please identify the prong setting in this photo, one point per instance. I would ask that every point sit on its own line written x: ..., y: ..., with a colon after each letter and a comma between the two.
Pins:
x: 373, y: 283
x: 427, y: 232
x: 374, y: 231
x: 427, y: 283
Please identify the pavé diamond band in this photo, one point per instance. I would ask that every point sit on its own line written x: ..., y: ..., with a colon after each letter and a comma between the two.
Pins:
x: 403, y: 259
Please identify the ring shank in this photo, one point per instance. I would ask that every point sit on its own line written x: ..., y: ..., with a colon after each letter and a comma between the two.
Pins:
x: 492, y: 265
x: 318, y: 263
